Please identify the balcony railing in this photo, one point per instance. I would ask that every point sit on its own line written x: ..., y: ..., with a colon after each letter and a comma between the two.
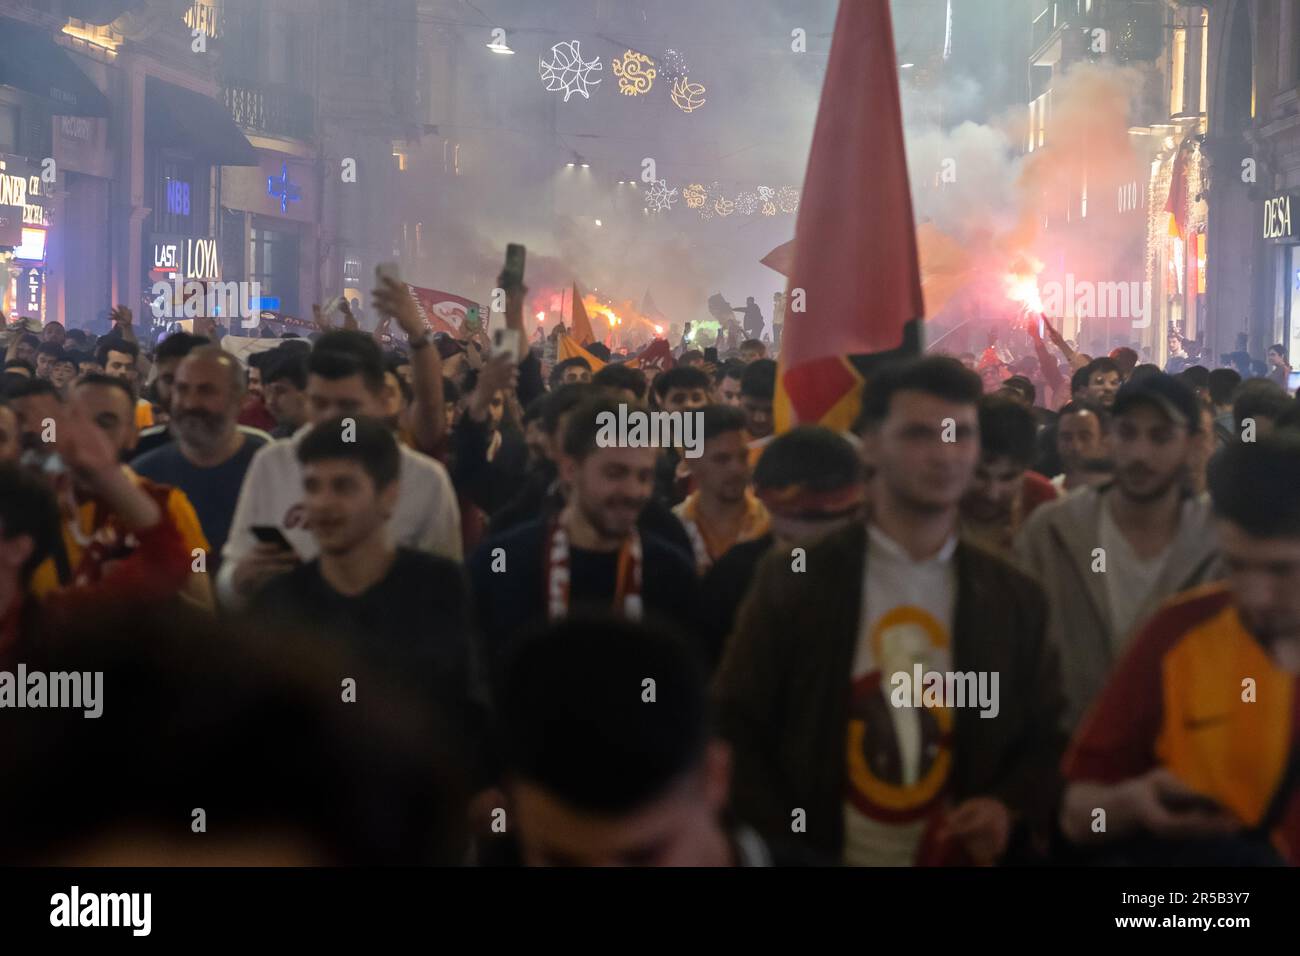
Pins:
x: 272, y: 110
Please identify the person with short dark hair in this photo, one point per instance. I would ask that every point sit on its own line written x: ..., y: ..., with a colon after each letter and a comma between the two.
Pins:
x: 570, y: 371
x: 284, y: 381
x: 593, y: 552
x: 1080, y: 442
x: 289, y: 775
x: 752, y: 349
x: 1279, y: 369
x: 1126, y: 359
x: 11, y: 443
x: 1222, y: 385
x: 345, y: 379
x: 881, y: 780
x: 658, y: 794
x: 722, y: 511
x: 1104, y: 377
x: 1257, y: 406
x: 682, y: 388
x: 619, y: 378
x: 1005, y: 491
x: 404, y: 609
x: 38, y: 404
x: 726, y: 382
x: 811, y: 481
x: 1176, y: 792
x: 1132, y: 543
x: 757, y: 392
x: 46, y: 355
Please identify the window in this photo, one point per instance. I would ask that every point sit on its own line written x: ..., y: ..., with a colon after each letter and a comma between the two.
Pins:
x: 274, y: 259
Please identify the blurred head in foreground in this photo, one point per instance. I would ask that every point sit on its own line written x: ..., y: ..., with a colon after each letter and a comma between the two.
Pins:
x: 609, y: 757
x: 222, y: 749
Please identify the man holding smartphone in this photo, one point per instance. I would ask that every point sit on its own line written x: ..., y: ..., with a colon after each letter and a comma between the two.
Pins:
x: 1190, y: 756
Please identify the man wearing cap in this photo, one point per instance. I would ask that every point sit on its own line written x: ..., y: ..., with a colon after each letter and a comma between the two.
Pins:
x: 1108, y: 556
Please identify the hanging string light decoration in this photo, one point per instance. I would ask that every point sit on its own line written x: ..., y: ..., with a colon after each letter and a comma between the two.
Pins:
x: 747, y: 203
x: 568, y: 72
x: 767, y: 196
x: 636, y: 73
x: 723, y: 206
x: 687, y: 96
x: 659, y: 198
x: 787, y: 199
x: 694, y: 194
x: 672, y: 66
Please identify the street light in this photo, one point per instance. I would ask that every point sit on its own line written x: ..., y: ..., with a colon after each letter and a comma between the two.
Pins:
x: 501, y: 47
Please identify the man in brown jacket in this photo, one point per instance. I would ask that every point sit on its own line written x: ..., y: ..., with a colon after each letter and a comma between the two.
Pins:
x: 889, y: 691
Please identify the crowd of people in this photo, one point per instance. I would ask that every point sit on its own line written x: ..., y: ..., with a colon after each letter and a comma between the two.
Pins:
x: 391, y: 597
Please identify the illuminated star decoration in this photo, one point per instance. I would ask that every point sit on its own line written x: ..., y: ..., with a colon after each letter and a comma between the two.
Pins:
x: 687, y: 96
x: 282, y: 189
x: 659, y: 198
x: 694, y: 195
x: 766, y: 194
x: 635, y: 72
x: 672, y: 66
x: 568, y: 72
x: 787, y: 198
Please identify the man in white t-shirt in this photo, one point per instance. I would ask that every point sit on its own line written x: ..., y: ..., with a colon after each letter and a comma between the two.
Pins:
x: 834, y: 737
x: 1107, y: 557
x: 345, y: 378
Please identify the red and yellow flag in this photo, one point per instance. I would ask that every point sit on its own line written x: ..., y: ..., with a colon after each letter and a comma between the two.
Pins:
x: 581, y: 325
x: 855, y: 283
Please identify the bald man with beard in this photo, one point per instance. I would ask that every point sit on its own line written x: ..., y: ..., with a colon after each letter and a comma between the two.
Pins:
x: 210, y: 456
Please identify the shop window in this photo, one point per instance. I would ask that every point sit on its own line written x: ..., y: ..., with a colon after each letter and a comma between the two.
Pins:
x: 274, y: 261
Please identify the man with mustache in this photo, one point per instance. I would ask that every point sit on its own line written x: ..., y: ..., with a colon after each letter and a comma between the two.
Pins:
x: 1108, y: 556
x: 210, y: 455
x: 1191, y: 747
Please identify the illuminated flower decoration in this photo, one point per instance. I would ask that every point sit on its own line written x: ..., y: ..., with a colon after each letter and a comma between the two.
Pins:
x: 724, y: 207
x: 687, y: 96
x: 767, y: 196
x: 568, y: 72
x: 787, y: 199
x: 635, y: 72
x: 694, y: 195
x: 672, y: 66
x: 747, y: 203
x: 659, y: 198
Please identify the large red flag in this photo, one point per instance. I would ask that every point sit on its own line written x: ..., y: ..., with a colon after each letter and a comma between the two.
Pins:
x: 855, y: 273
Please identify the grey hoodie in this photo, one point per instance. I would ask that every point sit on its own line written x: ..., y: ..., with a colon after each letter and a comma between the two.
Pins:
x: 1056, y: 546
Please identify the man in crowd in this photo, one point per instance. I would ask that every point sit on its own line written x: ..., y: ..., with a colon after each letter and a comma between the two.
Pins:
x: 1108, y: 556
x: 752, y: 349
x: 808, y: 688
x: 682, y: 389
x: 757, y: 391
x: 92, y: 535
x: 210, y: 455
x: 1191, y: 747
x: 63, y: 372
x: 592, y: 553
x: 155, y: 569
x: 617, y: 377
x: 1279, y: 370
x: 726, y: 382
x: 1104, y: 378
x: 406, y: 610
x: 810, y: 481
x: 345, y: 378
x: 1004, y: 492
x: 1223, y: 386
x: 1257, y: 407
x: 284, y: 378
x: 46, y: 355
x: 167, y: 359
x: 658, y: 794
x: 1080, y: 439
x: 722, y: 511
x: 571, y: 371
x: 11, y: 444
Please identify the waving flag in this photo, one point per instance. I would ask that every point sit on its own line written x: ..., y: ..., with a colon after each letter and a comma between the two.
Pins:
x: 855, y: 286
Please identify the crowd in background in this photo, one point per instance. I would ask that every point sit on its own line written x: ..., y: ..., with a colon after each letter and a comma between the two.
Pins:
x: 388, y: 596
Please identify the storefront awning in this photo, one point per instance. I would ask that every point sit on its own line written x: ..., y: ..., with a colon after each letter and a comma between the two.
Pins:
x: 31, y: 61
x: 183, y: 119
